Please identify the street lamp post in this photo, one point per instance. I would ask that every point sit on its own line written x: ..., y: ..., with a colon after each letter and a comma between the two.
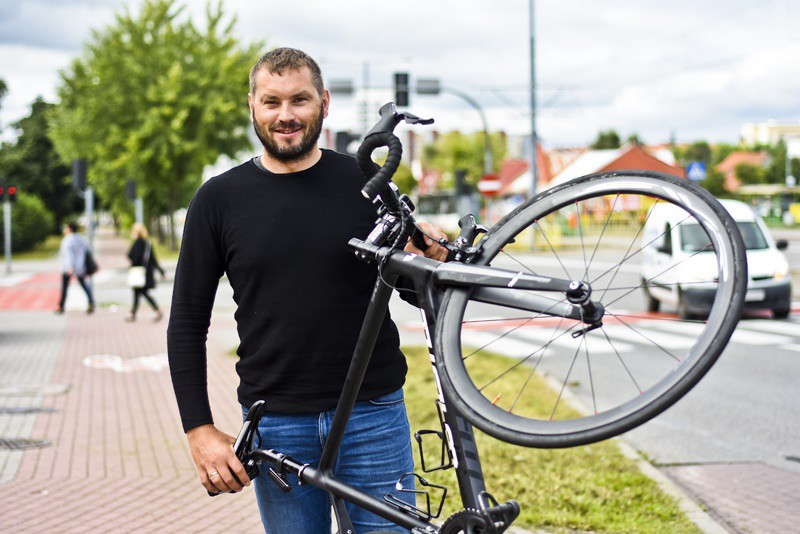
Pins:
x: 534, y: 169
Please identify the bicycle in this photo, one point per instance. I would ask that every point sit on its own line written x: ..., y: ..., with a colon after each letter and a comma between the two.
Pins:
x: 575, y: 378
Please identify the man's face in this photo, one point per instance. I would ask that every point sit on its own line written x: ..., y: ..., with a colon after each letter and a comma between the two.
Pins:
x: 287, y: 113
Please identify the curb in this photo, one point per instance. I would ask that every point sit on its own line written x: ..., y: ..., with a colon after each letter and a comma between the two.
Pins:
x: 693, y: 511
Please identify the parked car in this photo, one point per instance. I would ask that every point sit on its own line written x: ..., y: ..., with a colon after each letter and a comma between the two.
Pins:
x: 678, y: 271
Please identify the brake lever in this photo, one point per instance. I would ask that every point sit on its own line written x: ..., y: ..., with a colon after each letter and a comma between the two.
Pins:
x: 390, y: 118
x: 413, y: 119
x: 244, y: 442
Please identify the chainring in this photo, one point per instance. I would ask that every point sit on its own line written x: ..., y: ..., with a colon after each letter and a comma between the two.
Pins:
x: 467, y: 521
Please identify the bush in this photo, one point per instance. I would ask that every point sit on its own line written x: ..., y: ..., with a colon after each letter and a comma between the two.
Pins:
x: 31, y: 223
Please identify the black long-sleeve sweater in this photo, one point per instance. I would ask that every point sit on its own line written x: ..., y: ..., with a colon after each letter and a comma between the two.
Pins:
x: 301, y: 294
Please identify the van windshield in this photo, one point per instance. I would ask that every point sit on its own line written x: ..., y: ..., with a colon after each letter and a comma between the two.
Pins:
x: 695, y: 239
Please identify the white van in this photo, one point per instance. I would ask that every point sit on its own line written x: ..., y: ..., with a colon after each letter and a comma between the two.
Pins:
x: 677, y: 272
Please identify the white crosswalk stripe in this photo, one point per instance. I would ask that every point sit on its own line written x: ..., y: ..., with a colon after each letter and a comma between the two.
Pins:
x: 522, y: 342
x: 742, y: 334
x: 769, y: 325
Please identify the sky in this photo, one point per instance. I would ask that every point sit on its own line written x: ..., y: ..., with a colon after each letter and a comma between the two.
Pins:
x: 682, y: 70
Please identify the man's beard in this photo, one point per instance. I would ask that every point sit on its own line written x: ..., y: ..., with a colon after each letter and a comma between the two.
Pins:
x: 291, y: 152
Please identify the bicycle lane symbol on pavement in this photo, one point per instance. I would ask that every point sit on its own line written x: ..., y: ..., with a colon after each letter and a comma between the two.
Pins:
x: 152, y: 363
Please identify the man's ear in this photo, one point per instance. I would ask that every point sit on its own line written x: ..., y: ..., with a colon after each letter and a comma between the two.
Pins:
x: 326, y: 101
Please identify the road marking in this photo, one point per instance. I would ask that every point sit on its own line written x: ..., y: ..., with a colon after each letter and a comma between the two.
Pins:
x: 546, y: 335
x: 776, y: 327
x: 643, y: 335
x: 156, y: 362
x: 741, y: 335
x: 14, y: 279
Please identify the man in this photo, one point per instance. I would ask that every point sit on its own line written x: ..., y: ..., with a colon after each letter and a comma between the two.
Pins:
x: 72, y: 257
x: 278, y: 225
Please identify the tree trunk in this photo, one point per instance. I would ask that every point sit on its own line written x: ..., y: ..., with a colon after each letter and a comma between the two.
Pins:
x: 173, y: 241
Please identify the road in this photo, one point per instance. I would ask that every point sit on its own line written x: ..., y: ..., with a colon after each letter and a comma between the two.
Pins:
x: 744, y: 410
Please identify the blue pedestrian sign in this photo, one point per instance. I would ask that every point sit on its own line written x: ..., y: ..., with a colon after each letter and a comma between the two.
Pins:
x: 696, y: 171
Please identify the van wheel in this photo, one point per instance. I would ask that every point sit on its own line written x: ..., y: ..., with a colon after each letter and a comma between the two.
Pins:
x: 651, y: 303
x: 683, y: 308
x: 781, y: 313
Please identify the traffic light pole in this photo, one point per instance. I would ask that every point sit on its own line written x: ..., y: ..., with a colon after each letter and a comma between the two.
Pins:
x: 7, y: 228
x: 89, y: 198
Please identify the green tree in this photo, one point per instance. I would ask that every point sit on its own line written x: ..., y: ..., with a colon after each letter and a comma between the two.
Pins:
x: 156, y: 99
x: 606, y: 139
x: 776, y: 172
x: 721, y: 151
x: 3, y: 91
x: 715, y: 183
x: 749, y: 174
x: 30, y: 223
x: 698, y: 151
x: 457, y: 151
x: 34, y: 166
x: 634, y: 139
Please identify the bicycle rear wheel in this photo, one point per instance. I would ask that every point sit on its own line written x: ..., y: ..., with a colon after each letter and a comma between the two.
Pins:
x: 636, y: 237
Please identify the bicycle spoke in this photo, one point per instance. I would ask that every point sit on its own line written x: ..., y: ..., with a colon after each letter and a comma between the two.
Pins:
x: 622, y: 361
x: 660, y: 347
x: 580, y: 233
x: 558, y: 258
x: 633, y: 242
x: 566, y: 381
x: 600, y: 237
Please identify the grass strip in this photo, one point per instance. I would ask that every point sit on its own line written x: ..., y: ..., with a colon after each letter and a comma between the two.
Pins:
x: 590, y: 488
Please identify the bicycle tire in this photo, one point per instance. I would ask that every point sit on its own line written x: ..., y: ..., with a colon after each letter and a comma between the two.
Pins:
x: 571, y: 376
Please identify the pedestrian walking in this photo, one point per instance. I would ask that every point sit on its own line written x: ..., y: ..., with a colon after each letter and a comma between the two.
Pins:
x: 141, y: 276
x: 72, y: 257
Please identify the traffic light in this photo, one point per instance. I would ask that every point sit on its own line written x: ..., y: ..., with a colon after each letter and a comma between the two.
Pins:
x: 401, y: 89
x: 79, y: 174
x: 343, y: 141
x: 130, y: 190
x: 12, y: 193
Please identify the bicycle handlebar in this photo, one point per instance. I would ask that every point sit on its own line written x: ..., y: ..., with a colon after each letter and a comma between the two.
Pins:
x: 382, y: 134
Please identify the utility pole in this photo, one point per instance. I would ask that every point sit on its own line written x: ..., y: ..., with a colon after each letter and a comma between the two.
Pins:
x: 7, y: 230
x: 534, y: 140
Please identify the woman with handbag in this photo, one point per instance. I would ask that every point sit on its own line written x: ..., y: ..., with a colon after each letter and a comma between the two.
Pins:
x: 141, y: 275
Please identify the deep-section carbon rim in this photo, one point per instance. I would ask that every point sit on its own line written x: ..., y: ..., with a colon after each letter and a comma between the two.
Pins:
x: 638, y: 363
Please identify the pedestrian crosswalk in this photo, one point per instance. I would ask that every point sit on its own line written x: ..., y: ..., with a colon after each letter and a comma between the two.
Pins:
x: 522, y: 341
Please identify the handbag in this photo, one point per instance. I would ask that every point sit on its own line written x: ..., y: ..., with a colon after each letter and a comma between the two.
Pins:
x: 90, y: 263
x: 137, y: 275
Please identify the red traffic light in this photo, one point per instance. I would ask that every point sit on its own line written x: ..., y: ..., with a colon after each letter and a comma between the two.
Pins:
x: 12, y: 190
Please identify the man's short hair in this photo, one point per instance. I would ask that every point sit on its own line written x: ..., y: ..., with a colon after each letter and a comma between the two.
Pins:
x: 73, y: 226
x: 281, y: 59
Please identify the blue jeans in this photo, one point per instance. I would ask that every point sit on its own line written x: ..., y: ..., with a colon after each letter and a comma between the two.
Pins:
x: 375, y: 453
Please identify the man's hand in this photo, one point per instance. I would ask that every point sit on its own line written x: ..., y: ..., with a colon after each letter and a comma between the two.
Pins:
x: 434, y: 250
x: 212, y: 452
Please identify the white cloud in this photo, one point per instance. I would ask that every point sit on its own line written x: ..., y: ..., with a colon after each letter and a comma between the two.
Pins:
x: 698, y: 69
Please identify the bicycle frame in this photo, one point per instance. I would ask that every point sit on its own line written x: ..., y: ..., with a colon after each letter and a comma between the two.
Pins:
x: 427, y: 276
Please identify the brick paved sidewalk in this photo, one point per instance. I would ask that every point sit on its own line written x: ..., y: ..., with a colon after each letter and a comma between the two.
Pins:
x: 119, y: 459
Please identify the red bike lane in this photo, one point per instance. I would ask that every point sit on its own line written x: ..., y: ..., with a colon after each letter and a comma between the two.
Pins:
x: 39, y: 291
